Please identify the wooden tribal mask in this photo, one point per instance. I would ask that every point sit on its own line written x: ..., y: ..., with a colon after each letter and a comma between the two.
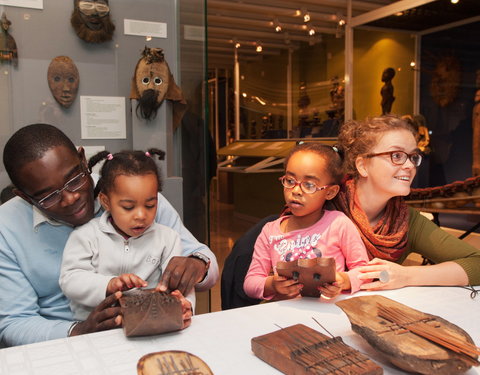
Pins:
x: 63, y: 80
x: 91, y: 20
x: 153, y: 83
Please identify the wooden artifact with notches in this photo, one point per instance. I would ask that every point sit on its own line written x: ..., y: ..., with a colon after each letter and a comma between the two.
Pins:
x: 410, y: 339
x: 147, y: 312
x: 301, y: 350
x: 172, y: 362
x: 309, y: 272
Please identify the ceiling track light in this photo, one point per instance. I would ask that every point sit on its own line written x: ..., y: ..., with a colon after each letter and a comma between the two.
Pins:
x: 306, y: 15
x: 258, y: 47
x: 311, y: 32
x: 277, y: 25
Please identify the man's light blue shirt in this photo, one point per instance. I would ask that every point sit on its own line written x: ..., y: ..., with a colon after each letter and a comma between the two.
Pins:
x: 32, y: 305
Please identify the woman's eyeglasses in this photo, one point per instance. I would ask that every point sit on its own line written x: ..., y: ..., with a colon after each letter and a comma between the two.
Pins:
x: 307, y: 187
x: 72, y: 185
x: 400, y: 157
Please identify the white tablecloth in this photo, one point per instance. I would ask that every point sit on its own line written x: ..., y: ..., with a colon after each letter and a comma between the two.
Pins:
x: 222, y: 339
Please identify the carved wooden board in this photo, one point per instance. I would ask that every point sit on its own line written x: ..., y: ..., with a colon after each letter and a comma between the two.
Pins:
x: 309, y: 272
x: 172, y: 362
x: 403, y: 348
x: 300, y: 350
x: 147, y: 312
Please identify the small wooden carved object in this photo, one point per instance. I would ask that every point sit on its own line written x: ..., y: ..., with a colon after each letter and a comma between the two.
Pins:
x: 300, y: 350
x: 8, y: 47
x: 172, y: 362
x: 147, y: 312
x: 410, y: 339
x: 309, y: 272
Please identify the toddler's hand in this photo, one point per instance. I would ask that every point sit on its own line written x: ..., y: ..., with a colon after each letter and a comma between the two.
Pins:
x: 124, y: 282
x: 285, y: 288
x: 342, y: 282
x: 186, y: 308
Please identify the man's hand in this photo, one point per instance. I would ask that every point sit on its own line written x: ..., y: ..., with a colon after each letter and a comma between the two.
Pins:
x: 186, y: 308
x: 182, y: 273
x: 105, y: 316
x: 125, y: 281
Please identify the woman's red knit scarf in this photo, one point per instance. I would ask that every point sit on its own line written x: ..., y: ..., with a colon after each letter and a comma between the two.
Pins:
x: 388, y: 238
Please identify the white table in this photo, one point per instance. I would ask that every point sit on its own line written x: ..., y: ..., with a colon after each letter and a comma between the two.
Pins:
x: 222, y: 339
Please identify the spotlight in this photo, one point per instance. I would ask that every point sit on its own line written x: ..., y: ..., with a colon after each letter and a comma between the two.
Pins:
x: 454, y: 1
x: 237, y: 45
x: 258, y: 47
x: 413, y: 66
x: 341, y: 22
x: 306, y: 15
x: 311, y: 32
x: 277, y: 26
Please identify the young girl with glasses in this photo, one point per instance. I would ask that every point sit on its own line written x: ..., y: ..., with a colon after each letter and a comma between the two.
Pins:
x: 124, y: 248
x: 381, y: 158
x: 312, y: 177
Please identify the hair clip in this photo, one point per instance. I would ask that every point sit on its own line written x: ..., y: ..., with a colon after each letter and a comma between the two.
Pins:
x: 335, y: 148
x: 148, y: 154
x: 109, y: 157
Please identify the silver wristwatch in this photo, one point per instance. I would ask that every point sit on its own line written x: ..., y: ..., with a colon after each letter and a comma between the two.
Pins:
x: 202, y: 257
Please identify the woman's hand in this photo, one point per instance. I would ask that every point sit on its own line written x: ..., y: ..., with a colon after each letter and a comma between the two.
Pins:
x: 186, y: 308
x: 342, y: 282
x: 387, y: 275
x: 125, y: 281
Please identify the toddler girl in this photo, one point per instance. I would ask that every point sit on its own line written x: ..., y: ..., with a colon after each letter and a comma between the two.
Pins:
x: 312, y: 175
x: 124, y: 248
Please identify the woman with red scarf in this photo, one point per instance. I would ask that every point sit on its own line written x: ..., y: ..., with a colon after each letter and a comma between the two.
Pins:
x: 381, y: 160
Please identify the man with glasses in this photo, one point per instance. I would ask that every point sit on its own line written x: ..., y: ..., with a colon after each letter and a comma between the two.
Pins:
x: 55, y: 194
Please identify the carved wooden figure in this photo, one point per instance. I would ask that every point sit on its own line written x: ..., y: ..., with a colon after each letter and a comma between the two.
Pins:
x: 476, y: 128
x: 8, y: 47
x: 387, y: 91
x: 312, y: 273
x: 147, y: 312
x: 409, y: 338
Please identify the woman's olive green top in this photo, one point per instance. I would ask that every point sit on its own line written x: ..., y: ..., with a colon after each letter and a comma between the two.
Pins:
x: 433, y: 243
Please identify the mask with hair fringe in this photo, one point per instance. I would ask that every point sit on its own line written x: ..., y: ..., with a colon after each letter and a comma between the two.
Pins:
x: 153, y: 83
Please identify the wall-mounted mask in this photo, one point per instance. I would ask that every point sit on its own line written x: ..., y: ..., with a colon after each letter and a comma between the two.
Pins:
x: 8, y: 47
x: 153, y: 83
x: 63, y: 80
x: 91, y: 20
